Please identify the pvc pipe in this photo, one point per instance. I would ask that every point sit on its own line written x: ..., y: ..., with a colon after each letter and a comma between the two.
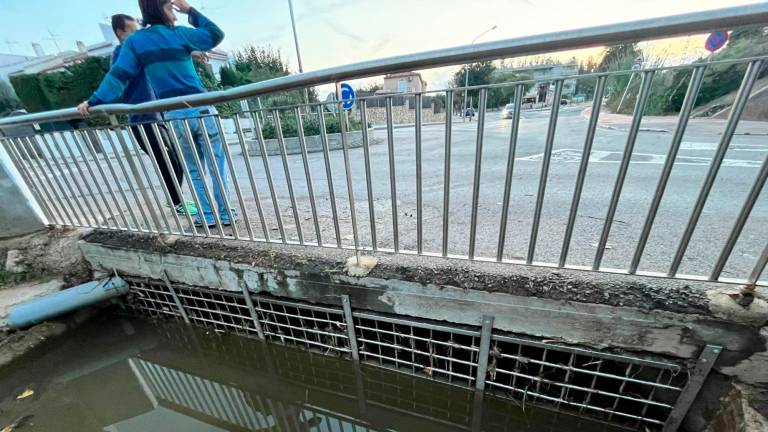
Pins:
x: 52, y: 305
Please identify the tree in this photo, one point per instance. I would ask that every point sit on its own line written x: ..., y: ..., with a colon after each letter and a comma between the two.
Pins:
x: 479, y: 74
x: 8, y: 99
x: 498, y: 96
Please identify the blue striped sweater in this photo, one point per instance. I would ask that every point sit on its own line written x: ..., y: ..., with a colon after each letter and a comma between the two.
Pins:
x: 164, y: 54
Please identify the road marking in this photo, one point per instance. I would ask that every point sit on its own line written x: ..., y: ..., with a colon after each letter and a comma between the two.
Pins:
x: 599, y: 156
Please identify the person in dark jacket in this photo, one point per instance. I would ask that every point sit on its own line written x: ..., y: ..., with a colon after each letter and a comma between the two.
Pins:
x: 163, y: 52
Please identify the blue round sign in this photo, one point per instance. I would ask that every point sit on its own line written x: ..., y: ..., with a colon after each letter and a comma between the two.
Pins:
x: 347, y: 96
x: 716, y: 40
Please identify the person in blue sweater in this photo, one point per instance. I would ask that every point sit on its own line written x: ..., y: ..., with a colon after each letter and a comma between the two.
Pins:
x: 138, y: 91
x: 163, y: 52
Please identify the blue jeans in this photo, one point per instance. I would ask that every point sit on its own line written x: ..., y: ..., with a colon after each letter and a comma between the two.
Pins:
x: 198, y: 146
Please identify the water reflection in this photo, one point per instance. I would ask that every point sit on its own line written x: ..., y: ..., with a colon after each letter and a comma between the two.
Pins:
x: 119, y: 375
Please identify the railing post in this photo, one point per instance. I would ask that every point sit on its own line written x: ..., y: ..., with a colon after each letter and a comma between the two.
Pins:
x: 345, y: 303
x: 251, y: 309
x: 485, y: 347
x: 707, y: 359
x: 175, y: 296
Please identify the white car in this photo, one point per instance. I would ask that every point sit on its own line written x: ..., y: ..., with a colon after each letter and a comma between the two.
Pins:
x: 508, y: 112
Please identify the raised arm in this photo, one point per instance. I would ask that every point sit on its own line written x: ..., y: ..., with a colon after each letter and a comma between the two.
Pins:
x: 204, y: 36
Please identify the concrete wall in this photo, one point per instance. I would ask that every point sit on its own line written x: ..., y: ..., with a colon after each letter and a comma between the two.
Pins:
x: 314, y: 143
x: 19, y: 211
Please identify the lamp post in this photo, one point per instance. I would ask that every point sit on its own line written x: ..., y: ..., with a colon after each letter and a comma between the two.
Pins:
x: 466, y: 76
x: 298, y: 52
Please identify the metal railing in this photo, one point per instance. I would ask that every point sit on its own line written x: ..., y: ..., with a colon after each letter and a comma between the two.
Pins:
x: 411, y: 195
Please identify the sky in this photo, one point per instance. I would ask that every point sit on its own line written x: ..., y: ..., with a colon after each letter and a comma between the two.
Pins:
x: 337, y: 32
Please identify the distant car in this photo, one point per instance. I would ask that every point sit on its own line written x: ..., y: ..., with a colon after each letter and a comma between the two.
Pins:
x: 563, y: 102
x: 508, y: 112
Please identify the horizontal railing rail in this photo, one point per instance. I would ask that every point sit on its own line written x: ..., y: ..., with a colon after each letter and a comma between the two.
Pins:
x: 676, y: 25
x: 569, y: 187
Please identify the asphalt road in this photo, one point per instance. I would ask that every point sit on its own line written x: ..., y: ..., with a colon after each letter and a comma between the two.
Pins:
x: 735, y: 179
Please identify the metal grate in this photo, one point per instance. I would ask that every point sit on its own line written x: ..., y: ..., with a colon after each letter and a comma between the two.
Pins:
x: 613, y: 387
x: 620, y: 389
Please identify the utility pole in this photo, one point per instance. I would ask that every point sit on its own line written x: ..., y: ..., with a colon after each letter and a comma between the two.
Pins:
x: 466, y: 75
x: 298, y: 52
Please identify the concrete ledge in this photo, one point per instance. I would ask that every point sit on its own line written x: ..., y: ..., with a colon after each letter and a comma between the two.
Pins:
x: 603, y: 311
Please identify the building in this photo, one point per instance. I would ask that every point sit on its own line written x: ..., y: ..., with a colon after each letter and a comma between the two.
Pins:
x: 403, y: 82
x: 11, y: 64
x: 545, y: 75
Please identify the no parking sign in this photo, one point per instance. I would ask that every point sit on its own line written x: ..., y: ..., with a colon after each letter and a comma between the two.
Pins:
x: 716, y: 40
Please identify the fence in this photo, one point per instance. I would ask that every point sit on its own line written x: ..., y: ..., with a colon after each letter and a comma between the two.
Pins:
x: 485, y: 190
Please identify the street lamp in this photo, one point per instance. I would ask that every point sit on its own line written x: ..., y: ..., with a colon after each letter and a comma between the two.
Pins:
x: 298, y: 52
x: 466, y: 76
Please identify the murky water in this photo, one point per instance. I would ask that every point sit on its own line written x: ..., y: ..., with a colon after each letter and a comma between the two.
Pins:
x: 116, y: 374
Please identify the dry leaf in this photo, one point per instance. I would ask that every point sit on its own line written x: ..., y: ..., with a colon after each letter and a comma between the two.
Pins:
x: 25, y: 394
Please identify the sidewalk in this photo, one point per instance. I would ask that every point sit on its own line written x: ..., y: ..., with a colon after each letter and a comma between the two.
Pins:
x: 665, y: 124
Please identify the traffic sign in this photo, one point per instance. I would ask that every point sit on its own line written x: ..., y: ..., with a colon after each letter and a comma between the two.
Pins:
x: 347, y: 96
x: 716, y: 40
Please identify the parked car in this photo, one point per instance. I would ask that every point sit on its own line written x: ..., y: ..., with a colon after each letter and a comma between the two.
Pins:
x: 508, y: 112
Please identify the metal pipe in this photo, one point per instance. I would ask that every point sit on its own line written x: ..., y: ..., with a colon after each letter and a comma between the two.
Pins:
x: 42, y: 308
x: 174, y: 180
x: 419, y: 197
x: 329, y: 175
x: 147, y: 177
x: 392, y: 175
x: 368, y: 179
x: 344, y: 122
x: 218, y: 179
x: 203, y: 178
x: 742, y: 97
x: 478, y: 167
x: 92, y: 176
x: 549, y: 144
x: 128, y: 181
x: 682, y: 123
x: 251, y: 180
x: 233, y: 176
x: 759, y: 266
x: 447, y: 167
x: 741, y: 220
x: 308, y: 175
x: 180, y: 153
x: 148, y: 190
x: 164, y: 187
x: 288, y: 180
x: 513, y: 134
x: 91, y: 149
x: 268, y: 173
x: 637, y: 118
x: 62, y: 173
x: 597, y: 103
x: 59, y: 202
x: 612, y: 34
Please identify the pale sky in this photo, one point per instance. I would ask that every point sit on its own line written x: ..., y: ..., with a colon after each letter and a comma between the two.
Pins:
x: 335, y: 32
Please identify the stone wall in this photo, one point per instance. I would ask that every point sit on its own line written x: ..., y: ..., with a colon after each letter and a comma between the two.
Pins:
x: 313, y: 143
x: 402, y: 115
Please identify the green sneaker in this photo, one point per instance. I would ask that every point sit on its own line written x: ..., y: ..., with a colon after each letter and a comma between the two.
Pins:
x: 187, y: 207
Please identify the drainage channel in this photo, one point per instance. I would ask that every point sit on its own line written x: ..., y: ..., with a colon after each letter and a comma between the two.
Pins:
x: 631, y: 391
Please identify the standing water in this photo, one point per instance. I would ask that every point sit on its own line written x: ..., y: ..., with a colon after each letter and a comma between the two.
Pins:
x: 118, y: 374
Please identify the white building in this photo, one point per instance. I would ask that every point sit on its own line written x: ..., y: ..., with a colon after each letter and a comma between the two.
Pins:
x: 11, y: 64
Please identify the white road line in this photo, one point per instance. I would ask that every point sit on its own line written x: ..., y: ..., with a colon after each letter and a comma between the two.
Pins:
x: 598, y: 156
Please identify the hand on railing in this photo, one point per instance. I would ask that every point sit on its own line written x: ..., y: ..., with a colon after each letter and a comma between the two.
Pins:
x: 84, y: 108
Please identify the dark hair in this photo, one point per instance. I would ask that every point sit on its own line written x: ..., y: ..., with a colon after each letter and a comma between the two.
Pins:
x: 152, y: 12
x: 119, y: 21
